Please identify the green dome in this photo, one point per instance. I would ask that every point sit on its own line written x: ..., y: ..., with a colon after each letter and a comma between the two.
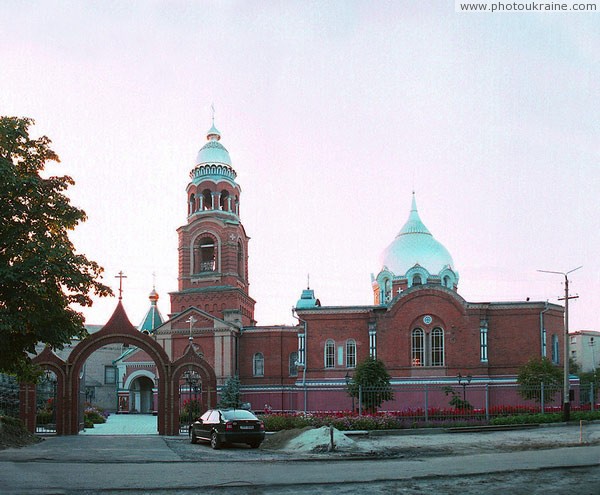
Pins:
x: 414, y: 245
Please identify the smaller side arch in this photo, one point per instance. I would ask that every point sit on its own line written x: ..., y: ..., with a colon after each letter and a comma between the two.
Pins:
x: 192, y: 361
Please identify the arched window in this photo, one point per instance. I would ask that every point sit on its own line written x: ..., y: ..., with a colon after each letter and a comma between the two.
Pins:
x: 258, y: 364
x: 437, y: 347
x: 192, y: 204
x: 205, y: 255
x: 329, y: 354
x: 417, y: 280
x: 387, y: 290
x: 447, y: 282
x: 417, y: 353
x: 351, y: 353
x: 555, y: 353
x: 207, y: 200
x: 240, y: 259
x: 223, y: 203
x: 293, y: 364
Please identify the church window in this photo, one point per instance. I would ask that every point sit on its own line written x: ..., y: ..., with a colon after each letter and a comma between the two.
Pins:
x: 192, y: 206
x: 351, y: 353
x: 240, y: 259
x: 387, y: 290
x: 301, y: 348
x: 427, y: 351
x: 258, y: 368
x: 483, y: 343
x: 329, y: 354
x: 418, y: 347
x: 204, y: 255
x: 207, y: 199
x: 437, y: 347
x: 293, y: 364
x: 555, y: 353
x: 110, y: 375
x: 373, y: 342
x: 223, y: 202
x: 417, y: 280
x: 447, y: 282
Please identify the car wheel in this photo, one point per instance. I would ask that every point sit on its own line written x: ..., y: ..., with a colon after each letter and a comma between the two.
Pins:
x: 254, y: 445
x: 215, y: 441
x: 193, y: 437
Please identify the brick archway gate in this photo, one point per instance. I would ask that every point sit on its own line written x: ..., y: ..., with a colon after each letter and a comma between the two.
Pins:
x: 117, y: 330
x: 191, y: 361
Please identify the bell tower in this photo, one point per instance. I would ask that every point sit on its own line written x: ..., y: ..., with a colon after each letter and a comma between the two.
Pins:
x: 213, y: 245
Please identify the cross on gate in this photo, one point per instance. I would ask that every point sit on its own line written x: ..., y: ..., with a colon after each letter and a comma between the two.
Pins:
x: 121, y: 276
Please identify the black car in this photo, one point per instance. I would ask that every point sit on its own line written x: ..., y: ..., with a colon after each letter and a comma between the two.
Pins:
x: 220, y: 426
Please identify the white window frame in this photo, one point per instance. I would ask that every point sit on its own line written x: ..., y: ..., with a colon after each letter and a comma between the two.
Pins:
x: 258, y: 364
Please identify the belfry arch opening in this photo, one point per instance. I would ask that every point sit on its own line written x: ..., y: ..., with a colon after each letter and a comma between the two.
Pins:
x: 205, y: 255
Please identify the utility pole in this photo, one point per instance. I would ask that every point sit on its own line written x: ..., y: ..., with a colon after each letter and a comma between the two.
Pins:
x: 566, y: 383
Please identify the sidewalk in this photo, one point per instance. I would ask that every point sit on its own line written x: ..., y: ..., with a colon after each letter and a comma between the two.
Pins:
x: 125, y: 424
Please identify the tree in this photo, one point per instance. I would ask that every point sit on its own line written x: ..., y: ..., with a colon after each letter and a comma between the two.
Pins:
x: 533, y: 374
x: 230, y: 394
x: 589, y: 383
x: 456, y: 401
x: 41, y: 275
x: 371, y: 384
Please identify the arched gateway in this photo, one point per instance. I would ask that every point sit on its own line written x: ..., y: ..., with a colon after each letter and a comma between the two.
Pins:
x: 118, y: 330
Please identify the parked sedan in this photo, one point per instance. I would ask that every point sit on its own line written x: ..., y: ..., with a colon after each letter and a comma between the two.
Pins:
x: 220, y: 426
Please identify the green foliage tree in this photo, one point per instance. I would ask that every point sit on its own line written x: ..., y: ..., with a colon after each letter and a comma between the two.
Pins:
x: 533, y: 374
x: 41, y: 275
x: 456, y: 400
x: 230, y: 393
x: 589, y: 383
x: 371, y: 383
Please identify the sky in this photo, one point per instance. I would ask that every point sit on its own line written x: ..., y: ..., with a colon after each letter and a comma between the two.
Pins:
x: 333, y: 112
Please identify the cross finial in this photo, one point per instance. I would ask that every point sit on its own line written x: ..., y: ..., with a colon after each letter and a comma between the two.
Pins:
x: 121, y: 276
x: 212, y: 107
x: 191, y: 320
x: 153, y: 280
x: 308, y: 280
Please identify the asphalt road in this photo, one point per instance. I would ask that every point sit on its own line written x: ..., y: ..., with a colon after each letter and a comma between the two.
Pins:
x: 115, y: 465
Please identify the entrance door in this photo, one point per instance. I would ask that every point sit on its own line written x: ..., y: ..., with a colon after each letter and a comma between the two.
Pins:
x: 141, y: 396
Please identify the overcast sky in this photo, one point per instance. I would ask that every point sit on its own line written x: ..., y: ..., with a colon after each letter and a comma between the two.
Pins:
x: 333, y: 112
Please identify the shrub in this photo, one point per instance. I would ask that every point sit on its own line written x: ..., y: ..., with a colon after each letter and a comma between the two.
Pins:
x: 93, y: 415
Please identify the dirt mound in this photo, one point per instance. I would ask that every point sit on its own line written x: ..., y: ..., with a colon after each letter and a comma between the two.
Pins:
x: 309, y: 439
x: 12, y: 434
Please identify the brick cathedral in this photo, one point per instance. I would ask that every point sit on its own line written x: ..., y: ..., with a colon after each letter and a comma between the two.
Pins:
x: 418, y: 324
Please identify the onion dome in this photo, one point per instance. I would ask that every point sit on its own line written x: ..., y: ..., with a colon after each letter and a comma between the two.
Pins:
x: 213, y: 152
x: 153, y: 318
x: 415, y: 249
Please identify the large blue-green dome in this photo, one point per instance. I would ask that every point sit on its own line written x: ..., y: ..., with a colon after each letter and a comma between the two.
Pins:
x: 414, y: 245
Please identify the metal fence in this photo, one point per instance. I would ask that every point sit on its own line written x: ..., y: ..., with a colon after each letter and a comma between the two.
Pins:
x: 427, y: 402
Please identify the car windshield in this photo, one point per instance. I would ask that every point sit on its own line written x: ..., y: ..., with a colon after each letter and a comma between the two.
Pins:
x: 237, y: 414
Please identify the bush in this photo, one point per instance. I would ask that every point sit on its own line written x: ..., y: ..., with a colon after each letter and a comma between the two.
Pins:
x: 93, y: 415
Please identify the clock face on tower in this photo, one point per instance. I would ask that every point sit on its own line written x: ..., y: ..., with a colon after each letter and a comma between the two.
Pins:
x: 427, y: 320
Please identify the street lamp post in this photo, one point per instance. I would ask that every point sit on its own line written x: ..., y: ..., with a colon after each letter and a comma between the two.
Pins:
x: 566, y: 384
x: 464, y: 381
x: 191, y: 379
x: 348, y: 379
